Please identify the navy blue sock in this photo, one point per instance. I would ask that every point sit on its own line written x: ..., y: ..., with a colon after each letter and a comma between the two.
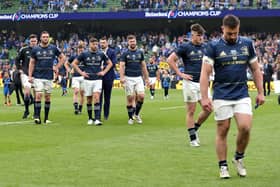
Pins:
x: 196, y: 126
x: 130, y: 111
x: 37, y: 110
x: 26, y: 103
x: 238, y: 156
x: 138, y: 107
x: 89, y: 110
x: 223, y: 163
x: 47, y: 110
x: 97, y: 113
x: 192, y: 133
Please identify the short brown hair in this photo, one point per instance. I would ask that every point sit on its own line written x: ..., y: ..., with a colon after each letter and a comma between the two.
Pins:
x: 231, y: 21
x: 197, y: 28
x: 130, y: 37
x: 81, y: 44
x: 44, y: 32
x: 32, y: 36
x: 93, y: 40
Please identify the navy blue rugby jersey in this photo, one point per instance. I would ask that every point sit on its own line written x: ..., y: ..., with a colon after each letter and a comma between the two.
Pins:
x: 133, y: 62
x: 192, y: 58
x: 230, y: 64
x: 92, y: 62
x: 152, y: 69
x: 22, y: 60
x: 44, y: 57
x: 80, y: 65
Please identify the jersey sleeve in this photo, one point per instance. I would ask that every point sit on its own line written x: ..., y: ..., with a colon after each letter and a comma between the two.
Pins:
x: 57, y: 51
x: 81, y: 58
x: 18, y: 59
x: 252, y: 52
x: 209, y: 55
x: 33, y: 53
x: 142, y: 56
x: 181, y: 50
x: 104, y: 58
x: 123, y: 57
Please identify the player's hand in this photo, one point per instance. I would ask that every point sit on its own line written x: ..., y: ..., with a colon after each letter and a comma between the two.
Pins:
x: 260, y: 99
x: 72, y: 71
x: 147, y: 82
x: 55, y: 69
x: 30, y: 79
x: 122, y: 80
x: 206, y: 104
x: 84, y: 74
x: 101, y: 73
x: 186, y: 76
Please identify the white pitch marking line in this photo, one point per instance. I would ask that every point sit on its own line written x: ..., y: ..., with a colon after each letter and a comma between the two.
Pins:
x: 14, y: 122
x: 171, y: 108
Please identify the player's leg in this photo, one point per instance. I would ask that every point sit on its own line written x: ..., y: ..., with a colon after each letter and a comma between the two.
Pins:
x: 221, y: 146
x: 82, y: 98
x: 82, y: 93
x: 89, y: 94
x: 152, y: 87
x: 223, y: 114
x: 39, y: 88
x: 140, y: 90
x: 190, y: 111
x: 96, y: 97
x: 243, y: 117
x: 190, y: 98
x: 76, y: 89
x: 48, y: 91
x: 130, y: 98
x: 202, y: 117
x: 27, y: 94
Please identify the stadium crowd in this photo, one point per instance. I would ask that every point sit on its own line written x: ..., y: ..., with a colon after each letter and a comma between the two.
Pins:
x: 147, y: 5
x: 158, y: 44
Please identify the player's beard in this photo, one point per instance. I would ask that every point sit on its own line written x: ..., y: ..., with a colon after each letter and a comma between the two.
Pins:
x: 231, y: 41
x: 45, y: 43
x: 132, y: 47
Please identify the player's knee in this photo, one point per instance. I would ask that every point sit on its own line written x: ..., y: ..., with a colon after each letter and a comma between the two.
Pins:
x: 140, y: 97
x: 244, y: 128
x: 190, y: 112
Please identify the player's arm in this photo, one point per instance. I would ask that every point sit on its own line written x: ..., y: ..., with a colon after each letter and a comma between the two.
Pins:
x: 61, y: 61
x: 31, y: 68
x: 122, y: 68
x: 172, y: 61
x: 145, y: 72
x: 108, y: 67
x: 206, y: 71
x: 67, y: 66
x: 75, y: 64
x: 18, y: 60
x: 158, y: 75
x: 258, y: 80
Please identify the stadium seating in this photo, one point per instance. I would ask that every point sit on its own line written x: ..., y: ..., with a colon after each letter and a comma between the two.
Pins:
x: 115, y: 5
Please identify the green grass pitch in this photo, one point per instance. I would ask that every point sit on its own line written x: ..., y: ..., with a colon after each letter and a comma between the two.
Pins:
x: 69, y: 153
